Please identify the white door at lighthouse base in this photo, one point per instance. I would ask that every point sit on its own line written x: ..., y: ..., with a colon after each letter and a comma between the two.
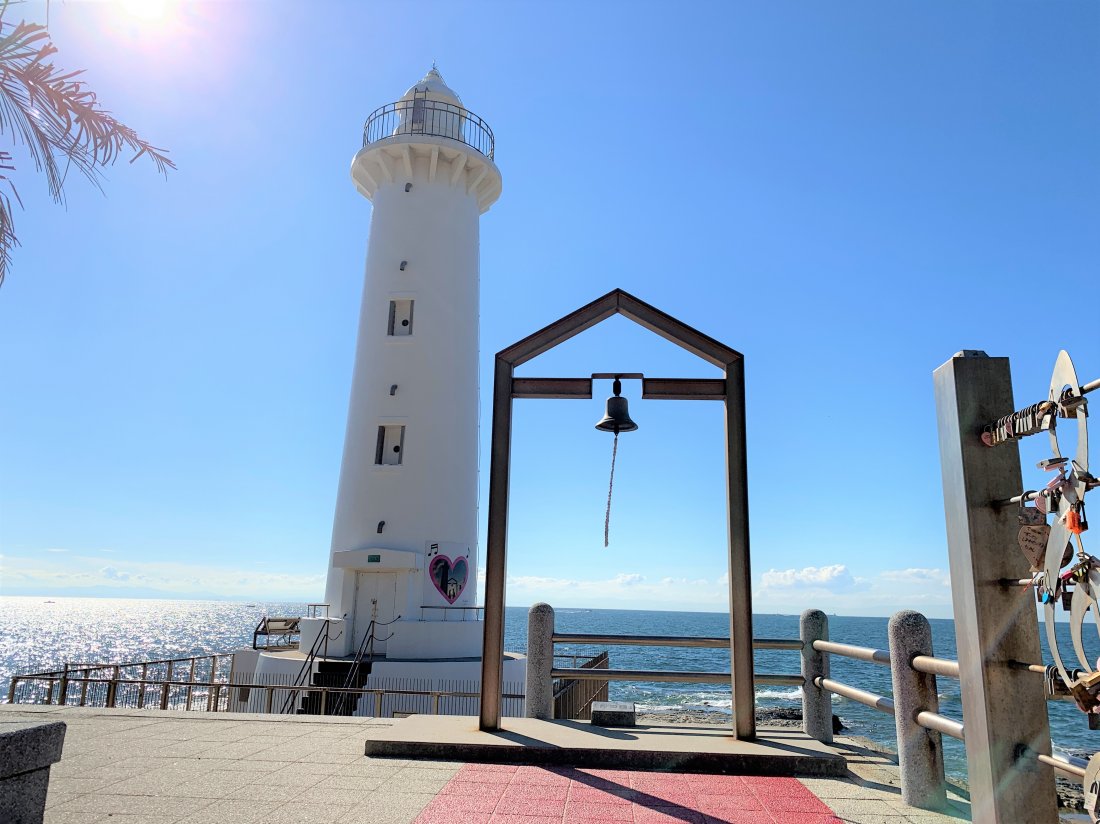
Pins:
x: 375, y: 600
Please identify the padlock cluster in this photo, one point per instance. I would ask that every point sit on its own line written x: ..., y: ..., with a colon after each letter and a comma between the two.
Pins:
x: 1064, y: 572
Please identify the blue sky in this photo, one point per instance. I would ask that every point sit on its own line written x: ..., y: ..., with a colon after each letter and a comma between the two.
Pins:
x: 847, y: 193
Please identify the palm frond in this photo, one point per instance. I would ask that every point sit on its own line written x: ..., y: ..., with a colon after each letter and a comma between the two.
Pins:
x: 57, y: 118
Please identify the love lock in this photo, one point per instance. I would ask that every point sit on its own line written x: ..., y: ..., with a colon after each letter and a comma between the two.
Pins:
x: 1033, y: 535
x: 1092, y: 788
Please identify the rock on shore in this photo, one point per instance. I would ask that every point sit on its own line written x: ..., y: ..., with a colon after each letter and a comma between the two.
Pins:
x: 765, y: 716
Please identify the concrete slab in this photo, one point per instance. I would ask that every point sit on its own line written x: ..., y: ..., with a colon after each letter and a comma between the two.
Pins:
x: 683, y: 748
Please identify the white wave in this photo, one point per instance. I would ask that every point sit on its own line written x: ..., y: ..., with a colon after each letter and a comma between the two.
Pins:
x: 780, y: 695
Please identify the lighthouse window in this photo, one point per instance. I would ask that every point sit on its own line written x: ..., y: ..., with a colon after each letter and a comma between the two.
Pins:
x: 401, y: 318
x: 390, y: 446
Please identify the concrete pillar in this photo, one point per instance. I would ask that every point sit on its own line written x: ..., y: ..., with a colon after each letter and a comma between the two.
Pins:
x: 920, y: 751
x: 540, y: 661
x: 27, y: 750
x: 817, y: 704
x: 1004, y: 709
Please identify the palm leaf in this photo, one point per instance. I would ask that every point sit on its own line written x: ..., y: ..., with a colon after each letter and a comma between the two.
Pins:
x: 58, y: 119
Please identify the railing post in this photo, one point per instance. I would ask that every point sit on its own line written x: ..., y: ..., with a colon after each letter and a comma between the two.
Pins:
x: 163, y: 695
x: 920, y: 750
x: 540, y: 661
x: 84, y: 688
x: 378, y: 704
x: 324, y: 700
x: 11, y: 690
x: 141, y: 693
x: 435, y: 703
x: 817, y: 703
x: 112, y: 690
x: 63, y: 687
x: 270, y: 699
x: 1004, y: 709
x: 191, y: 680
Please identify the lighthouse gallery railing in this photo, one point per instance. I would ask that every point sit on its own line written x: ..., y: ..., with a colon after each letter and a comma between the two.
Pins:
x: 431, y: 118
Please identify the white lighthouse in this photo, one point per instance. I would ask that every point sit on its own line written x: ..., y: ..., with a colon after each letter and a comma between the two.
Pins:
x: 404, y: 538
x: 402, y: 578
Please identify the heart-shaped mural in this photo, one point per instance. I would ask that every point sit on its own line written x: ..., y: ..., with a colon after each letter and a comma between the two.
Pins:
x: 449, y: 576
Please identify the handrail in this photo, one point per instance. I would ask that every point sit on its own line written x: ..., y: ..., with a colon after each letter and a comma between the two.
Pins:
x: 220, y: 688
x: 366, y: 647
x: 865, y: 697
x: 307, y: 665
x: 935, y: 666
x: 1067, y: 764
x: 670, y: 641
x: 79, y: 665
x: 447, y: 610
x: 874, y: 656
x: 940, y: 723
x: 673, y: 676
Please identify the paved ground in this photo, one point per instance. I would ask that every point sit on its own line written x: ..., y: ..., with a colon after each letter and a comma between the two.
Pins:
x: 152, y: 767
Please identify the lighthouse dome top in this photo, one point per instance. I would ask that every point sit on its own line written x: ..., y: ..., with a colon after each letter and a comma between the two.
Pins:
x: 433, y: 87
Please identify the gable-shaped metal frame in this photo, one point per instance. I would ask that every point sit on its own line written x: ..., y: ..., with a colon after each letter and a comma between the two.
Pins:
x: 730, y: 389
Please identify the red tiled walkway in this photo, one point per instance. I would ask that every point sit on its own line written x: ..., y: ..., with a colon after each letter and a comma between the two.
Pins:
x: 505, y: 794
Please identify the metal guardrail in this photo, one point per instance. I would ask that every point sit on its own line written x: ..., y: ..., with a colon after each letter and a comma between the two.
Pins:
x: 671, y: 641
x: 462, y: 612
x: 921, y: 663
x: 215, y: 696
x: 685, y: 677
x: 869, y: 654
x: 673, y: 676
x: 430, y: 118
x: 1067, y: 764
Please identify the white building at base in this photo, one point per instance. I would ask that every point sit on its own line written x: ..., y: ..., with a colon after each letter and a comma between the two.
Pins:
x: 403, y: 562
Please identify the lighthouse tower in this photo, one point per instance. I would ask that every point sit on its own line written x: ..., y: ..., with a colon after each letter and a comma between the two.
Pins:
x: 404, y: 538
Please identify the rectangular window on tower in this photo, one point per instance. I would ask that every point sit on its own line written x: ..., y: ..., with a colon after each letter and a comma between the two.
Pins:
x: 401, y: 318
x: 390, y: 446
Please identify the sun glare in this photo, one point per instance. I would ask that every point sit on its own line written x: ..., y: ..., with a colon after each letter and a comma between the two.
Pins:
x: 148, y: 10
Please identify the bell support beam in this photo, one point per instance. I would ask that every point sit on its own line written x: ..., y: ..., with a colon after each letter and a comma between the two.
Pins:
x: 683, y: 389
x: 653, y: 389
x: 552, y: 388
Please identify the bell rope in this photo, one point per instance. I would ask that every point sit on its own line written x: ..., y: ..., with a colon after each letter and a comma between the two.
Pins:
x: 610, y: 484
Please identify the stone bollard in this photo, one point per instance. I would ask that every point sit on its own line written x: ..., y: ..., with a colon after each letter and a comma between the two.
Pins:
x: 920, y: 750
x: 27, y: 749
x: 817, y: 704
x: 540, y: 661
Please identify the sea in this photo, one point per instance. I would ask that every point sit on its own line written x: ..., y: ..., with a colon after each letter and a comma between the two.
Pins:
x: 42, y: 633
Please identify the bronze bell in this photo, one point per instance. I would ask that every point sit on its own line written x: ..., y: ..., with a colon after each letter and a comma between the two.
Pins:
x: 617, y: 417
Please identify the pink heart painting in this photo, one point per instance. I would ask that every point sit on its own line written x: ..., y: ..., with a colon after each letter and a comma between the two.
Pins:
x: 449, y: 576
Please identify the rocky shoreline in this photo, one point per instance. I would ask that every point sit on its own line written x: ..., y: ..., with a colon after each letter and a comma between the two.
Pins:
x: 1071, y: 795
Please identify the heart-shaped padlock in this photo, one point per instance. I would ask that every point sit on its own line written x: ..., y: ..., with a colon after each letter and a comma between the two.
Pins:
x: 1033, y: 534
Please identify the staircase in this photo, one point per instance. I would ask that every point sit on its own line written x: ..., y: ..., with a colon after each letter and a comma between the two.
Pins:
x: 336, y: 674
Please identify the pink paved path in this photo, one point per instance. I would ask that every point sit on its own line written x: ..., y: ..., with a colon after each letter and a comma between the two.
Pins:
x: 504, y: 794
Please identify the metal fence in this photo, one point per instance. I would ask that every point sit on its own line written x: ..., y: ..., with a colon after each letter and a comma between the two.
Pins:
x: 167, y: 683
x: 112, y: 687
x: 430, y: 118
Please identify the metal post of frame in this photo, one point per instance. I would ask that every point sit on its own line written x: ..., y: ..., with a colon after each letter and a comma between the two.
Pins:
x: 492, y: 653
x: 740, y: 576
x: 995, y: 625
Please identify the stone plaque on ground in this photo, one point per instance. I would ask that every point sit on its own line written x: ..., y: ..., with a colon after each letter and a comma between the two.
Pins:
x: 613, y: 714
